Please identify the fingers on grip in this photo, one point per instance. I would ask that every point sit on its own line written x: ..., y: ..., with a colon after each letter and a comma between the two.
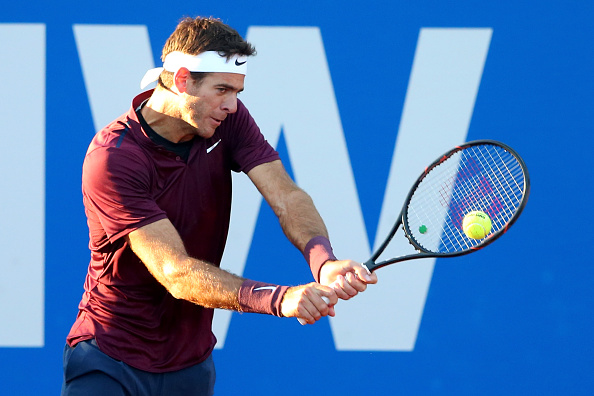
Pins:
x: 302, y: 321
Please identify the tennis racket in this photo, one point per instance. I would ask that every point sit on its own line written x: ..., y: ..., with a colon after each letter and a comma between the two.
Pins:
x: 483, y: 175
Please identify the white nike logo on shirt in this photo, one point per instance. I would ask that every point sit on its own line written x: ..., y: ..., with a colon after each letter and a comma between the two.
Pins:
x: 208, y: 150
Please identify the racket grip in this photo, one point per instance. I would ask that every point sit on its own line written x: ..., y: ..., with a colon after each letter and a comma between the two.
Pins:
x: 302, y: 321
x: 369, y: 266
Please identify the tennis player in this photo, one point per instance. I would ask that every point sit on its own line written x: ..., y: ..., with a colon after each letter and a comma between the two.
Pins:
x: 157, y: 195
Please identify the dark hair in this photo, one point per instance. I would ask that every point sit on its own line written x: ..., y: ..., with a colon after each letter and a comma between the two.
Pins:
x: 196, y: 35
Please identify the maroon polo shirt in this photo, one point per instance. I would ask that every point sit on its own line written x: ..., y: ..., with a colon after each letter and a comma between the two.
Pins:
x: 129, y: 182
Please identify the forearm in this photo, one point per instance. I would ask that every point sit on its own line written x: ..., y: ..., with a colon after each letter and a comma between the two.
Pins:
x: 294, y: 208
x: 299, y: 218
x: 162, y: 251
x: 211, y: 287
x: 297, y: 214
x: 202, y: 283
x: 305, y: 228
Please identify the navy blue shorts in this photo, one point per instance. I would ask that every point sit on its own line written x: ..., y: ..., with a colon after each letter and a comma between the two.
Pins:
x: 90, y: 372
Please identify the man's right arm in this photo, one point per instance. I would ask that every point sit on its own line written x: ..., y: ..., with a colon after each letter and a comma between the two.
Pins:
x: 160, y: 248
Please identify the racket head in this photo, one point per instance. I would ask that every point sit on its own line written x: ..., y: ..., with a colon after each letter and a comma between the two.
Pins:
x: 482, y: 175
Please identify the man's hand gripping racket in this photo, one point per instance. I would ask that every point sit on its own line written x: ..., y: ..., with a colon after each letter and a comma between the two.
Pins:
x: 437, y: 217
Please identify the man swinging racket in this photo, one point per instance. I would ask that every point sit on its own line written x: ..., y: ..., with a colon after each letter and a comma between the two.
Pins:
x: 157, y: 195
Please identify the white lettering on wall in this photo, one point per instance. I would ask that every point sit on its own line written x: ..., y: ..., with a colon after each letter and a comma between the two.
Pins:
x: 22, y: 208
x: 114, y: 59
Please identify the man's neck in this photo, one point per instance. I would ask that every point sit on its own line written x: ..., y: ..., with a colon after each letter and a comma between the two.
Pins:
x: 164, y: 117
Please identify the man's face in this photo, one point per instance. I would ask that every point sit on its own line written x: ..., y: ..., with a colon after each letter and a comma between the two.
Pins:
x: 209, y: 102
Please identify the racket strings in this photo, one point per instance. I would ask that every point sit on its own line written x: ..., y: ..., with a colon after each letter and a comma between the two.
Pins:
x: 493, y: 194
x: 483, y: 177
x: 510, y: 186
x: 498, y: 171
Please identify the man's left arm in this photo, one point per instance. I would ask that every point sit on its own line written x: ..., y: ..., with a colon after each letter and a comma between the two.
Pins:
x: 304, y: 227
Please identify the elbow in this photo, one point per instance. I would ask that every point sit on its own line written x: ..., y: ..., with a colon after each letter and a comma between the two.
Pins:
x: 173, y: 279
x: 177, y: 291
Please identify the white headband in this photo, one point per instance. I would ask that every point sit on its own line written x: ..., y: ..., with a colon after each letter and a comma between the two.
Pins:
x: 209, y: 61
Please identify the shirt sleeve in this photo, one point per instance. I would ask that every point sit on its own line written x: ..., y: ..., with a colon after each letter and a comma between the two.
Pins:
x: 249, y: 147
x: 116, y: 194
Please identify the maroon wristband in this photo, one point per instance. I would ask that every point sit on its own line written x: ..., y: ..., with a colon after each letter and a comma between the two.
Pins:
x: 317, y: 251
x: 259, y: 297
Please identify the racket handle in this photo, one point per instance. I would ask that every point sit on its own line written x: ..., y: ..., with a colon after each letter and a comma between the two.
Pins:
x: 369, y: 265
x: 302, y: 321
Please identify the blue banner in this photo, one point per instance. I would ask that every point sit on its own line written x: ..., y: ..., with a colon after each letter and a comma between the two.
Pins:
x: 358, y: 97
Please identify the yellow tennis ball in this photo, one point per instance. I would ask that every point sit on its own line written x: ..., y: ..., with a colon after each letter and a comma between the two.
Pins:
x: 476, y: 224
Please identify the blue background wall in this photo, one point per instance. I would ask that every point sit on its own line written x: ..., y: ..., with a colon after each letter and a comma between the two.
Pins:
x: 515, y: 318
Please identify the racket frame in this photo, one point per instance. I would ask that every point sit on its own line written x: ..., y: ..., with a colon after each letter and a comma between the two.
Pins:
x: 372, y: 263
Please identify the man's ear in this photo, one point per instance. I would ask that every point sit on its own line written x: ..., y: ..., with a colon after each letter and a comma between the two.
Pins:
x: 181, y: 79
